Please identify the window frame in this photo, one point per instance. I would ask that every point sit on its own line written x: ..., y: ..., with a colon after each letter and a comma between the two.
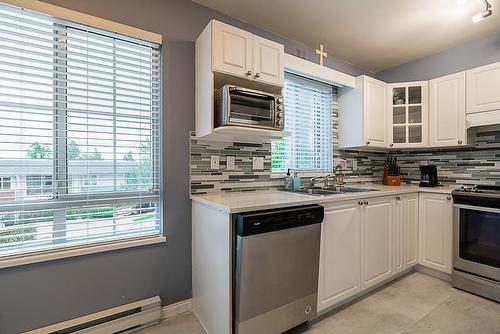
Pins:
x: 60, y: 177
x: 306, y: 173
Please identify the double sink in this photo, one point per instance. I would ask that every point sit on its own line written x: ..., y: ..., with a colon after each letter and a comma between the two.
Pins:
x: 329, y: 191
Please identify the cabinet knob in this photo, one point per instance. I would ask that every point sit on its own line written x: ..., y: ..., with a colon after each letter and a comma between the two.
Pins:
x: 360, y: 203
x: 460, y: 142
x: 398, y: 198
x: 365, y: 202
x: 257, y: 75
x: 448, y: 198
x: 368, y: 143
x: 391, y: 145
x: 249, y: 72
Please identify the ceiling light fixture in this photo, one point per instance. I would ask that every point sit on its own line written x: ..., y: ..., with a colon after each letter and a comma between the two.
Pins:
x: 481, y: 16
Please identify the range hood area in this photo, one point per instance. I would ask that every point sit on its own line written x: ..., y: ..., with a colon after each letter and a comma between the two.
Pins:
x: 483, y: 95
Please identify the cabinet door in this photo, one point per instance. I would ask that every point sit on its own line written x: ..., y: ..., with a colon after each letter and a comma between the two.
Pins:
x: 447, y: 111
x: 268, y: 61
x: 339, y: 273
x: 374, y: 108
x: 232, y: 50
x: 482, y: 88
x: 399, y: 230
x: 376, y: 241
x: 411, y: 230
x: 408, y: 115
x: 435, y: 229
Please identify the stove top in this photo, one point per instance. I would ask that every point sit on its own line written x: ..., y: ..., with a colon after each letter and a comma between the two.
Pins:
x: 480, y: 195
x: 479, y: 189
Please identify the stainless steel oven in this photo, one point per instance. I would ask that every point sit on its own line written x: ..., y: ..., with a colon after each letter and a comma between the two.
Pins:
x: 476, y: 240
x: 238, y: 106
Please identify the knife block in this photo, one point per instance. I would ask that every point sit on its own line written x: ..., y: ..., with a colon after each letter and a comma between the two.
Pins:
x: 390, y: 180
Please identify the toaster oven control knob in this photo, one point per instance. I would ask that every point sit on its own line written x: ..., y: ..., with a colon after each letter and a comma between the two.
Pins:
x: 257, y: 75
x: 280, y: 115
x: 279, y: 122
x: 280, y: 108
x: 279, y: 100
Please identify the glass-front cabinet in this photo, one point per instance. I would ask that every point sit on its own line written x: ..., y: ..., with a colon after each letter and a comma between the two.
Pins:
x: 408, y: 117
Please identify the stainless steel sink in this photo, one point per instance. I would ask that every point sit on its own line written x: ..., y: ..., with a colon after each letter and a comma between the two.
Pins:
x: 315, y: 191
x: 358, y: 190
x: 328, y: 192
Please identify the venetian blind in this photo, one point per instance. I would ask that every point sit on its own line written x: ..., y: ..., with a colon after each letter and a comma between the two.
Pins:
x: 309, y: 119
x: 79, y: 134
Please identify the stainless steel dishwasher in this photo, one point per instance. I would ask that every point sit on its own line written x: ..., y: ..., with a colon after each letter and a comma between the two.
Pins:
x: 276, y: 269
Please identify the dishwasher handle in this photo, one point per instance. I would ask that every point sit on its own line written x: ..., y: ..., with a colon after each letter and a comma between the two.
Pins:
x: 265, y: 221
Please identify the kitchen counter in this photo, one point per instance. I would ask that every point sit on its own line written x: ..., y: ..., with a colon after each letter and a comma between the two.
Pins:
x: 235, y: 202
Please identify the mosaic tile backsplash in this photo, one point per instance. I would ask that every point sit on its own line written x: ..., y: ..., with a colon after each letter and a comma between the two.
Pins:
x: 477, y: 164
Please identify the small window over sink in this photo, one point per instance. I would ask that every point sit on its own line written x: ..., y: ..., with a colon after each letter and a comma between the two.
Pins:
x: 309, y: 119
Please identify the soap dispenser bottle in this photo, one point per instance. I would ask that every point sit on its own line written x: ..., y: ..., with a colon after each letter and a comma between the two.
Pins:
x: 296, y: 181
x: 288, y: 180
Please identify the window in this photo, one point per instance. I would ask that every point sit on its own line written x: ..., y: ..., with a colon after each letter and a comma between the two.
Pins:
x: 309, y: 119
x: 38, y: 184
x: 5, y: 183
x: 79, y: 132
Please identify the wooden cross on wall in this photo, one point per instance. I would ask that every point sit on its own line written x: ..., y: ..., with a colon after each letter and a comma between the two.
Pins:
x: 321, y: 54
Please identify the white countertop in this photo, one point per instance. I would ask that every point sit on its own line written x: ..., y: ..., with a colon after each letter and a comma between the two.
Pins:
x: 235, y: 202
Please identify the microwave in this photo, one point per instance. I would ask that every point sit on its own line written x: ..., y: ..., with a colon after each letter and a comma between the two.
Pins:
x: 237, y: 106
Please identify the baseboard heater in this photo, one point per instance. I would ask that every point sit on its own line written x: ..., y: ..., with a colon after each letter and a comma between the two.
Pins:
x: 122, y: 319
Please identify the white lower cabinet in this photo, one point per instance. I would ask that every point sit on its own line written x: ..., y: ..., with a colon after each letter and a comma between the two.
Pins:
x: 365, y: 242
x: 339, y: 273
x: 405, y: 229
x: 376, y: 240
x: 411, y: 218
x: 435, y: 231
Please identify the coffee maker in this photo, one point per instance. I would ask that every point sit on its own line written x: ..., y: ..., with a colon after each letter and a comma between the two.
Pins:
x: 428, y: 176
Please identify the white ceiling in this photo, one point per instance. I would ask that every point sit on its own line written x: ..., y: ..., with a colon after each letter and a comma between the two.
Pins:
x: 372, y: 34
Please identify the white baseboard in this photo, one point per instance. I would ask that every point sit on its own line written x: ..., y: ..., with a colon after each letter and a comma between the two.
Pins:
x: 433, y: 272
x: 176, y: 309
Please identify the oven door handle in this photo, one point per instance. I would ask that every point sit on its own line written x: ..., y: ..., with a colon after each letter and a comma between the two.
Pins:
x: 476, y: 208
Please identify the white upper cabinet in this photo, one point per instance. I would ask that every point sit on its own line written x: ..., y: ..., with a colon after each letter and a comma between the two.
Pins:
x: 268, y: 61
x: 408, y: 115
x: 232, y: 50
x: 447, y: 111
x: 483, y: 92
x: 435, y: 231
x: 362, y: 117
x: 243, y: 54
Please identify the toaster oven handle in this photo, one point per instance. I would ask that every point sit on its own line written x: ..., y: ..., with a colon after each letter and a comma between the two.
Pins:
x: 251, y: 92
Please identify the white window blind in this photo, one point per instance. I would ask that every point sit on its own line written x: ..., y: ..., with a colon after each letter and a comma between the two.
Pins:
x: 79, y: 134
x: 309, y: 119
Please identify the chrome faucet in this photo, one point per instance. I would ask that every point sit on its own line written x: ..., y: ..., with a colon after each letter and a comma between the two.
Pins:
x: 323, y: 179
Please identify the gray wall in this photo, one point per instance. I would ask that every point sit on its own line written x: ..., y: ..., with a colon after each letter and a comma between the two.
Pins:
x: 473, y: 54
x: 41, y: 294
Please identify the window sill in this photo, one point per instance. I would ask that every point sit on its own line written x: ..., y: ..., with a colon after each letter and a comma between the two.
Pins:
x: 14, y: 261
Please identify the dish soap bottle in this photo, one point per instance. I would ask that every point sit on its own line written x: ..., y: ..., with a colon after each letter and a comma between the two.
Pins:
x: 288, y: 180
x: 296, y: 181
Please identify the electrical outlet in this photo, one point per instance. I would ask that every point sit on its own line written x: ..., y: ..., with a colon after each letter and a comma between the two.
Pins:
x: 214, y: 162
x: 230, y: 162
x: 258, y: 163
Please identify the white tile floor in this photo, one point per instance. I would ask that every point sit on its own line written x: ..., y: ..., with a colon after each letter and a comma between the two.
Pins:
x: 415, y: 304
